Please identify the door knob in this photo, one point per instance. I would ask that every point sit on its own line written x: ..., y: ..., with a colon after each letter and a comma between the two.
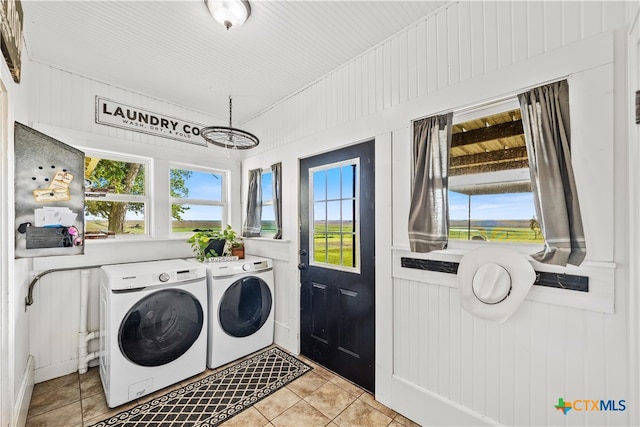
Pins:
x: 302, y: 266
x: 303, y: 252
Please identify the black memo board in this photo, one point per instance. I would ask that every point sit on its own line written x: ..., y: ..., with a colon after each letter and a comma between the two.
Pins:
x: 48, y: 174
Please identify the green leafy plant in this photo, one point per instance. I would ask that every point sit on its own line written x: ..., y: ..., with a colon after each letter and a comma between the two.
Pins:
x: 231, y: 236
x: 202, y: 239
x: 200, y: 242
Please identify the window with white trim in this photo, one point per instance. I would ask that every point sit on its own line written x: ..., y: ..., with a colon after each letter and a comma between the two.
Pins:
x: 117, y: 200
x: 490, y: 196
x: 198, y: 199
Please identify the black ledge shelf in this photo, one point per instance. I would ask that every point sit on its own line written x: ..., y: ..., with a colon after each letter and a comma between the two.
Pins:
x: 550, y: 280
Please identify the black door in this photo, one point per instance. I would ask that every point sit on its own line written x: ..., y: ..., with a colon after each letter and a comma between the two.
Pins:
x: 161, y: 327
x: 337, y: 261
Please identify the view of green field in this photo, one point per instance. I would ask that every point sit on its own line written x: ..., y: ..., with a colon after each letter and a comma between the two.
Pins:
x: 130, y: 226
x: 137, y: 226
x: 496, y: 231
x: 328, y: 240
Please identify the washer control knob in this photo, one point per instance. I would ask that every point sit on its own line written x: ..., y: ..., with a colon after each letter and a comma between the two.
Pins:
x: 164, y: 277
x: 246, y: 267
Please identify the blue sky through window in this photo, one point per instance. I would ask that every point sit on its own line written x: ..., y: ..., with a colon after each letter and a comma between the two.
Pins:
x: 204, y: 186
x: 507, y: 206
x: 267, y: 194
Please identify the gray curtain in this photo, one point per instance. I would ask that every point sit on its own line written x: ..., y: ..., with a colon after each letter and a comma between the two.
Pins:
x: 276, y: 169
x: 254, y: 205
x: 545, y: 118
x: 429, y: 214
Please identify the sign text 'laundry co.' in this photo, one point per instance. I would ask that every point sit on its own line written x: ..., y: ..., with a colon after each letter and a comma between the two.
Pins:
x: 112, y: 113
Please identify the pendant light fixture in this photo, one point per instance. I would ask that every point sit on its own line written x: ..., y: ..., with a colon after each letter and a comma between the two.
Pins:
x: 230, y: 13
x: 229, y: 137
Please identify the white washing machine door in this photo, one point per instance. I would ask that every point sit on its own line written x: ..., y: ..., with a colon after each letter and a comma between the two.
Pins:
x: 245, y: 306
x: 160, y: 327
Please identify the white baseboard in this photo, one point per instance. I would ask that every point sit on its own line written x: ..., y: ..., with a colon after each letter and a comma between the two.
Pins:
x: 61, y: 369
x: 430, y: 409
x: 23, y: 399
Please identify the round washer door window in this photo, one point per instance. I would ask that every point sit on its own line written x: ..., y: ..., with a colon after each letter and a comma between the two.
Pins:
x: 161, y: 327
x: 245, y: 307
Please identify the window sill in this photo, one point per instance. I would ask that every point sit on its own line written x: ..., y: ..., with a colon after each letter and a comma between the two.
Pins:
x: 266, y: 239
x: 601, y: 278
x: 267, y: 247
x: 115, y: 251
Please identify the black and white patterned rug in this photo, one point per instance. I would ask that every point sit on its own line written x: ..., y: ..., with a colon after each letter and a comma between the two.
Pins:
x: 218, y: 397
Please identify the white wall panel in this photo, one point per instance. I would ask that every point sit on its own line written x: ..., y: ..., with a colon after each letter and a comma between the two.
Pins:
x: 552, y: 17
x: 476, y: 20
x: 536, y: 34
x: 422, y: 60
x: 519, y: 30
x: 491, y: 52
x: 399, y: 68
x: 412, y: 62
x: 592, y: 17
x: 453, y: 46
x: 66, y: 102
x: 511, y: 373
x: 54, y: 320
x: 465, y: 40
x: 505, y: 31
x: 435, y: 54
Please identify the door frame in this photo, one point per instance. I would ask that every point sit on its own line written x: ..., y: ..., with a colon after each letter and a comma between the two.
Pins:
x: 383, y: 263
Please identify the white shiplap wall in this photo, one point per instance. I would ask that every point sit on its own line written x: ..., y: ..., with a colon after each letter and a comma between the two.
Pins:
x: 63, y: 105
x: 443, y: 366
x: 511, y: 373
x: 467, y: 40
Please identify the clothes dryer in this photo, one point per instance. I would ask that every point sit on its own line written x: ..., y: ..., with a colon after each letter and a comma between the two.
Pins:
x: 241, y: 308
x: 153, y: 326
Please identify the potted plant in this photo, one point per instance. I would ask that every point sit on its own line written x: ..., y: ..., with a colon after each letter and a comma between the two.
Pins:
x: 215, y: 243
x: 207, y: 244
x: 234, y: 243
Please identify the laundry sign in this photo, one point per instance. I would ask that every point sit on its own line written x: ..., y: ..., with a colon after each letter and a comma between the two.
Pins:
x: 112, y: 113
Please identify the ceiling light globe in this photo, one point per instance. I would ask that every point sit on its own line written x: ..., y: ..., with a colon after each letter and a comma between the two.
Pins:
x: 230, y: 13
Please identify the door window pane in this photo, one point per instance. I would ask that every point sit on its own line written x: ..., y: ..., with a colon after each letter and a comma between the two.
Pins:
x: 319, y: 185
x: 334, y: 231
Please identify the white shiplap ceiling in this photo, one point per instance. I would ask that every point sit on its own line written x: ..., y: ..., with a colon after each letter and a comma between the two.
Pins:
x: 175, y: 51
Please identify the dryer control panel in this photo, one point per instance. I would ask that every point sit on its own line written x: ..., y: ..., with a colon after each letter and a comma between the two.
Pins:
x: 232, y: 268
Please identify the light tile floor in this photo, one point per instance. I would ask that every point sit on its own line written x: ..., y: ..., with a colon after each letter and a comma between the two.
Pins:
x: 318, y: 398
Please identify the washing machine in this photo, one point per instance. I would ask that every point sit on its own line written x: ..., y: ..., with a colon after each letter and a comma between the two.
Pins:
x: 241, y: 308
x: 153, y: 326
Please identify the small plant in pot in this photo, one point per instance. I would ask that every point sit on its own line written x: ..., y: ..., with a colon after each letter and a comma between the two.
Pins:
x: 207, y: 244
x: 214, y: 243
x: 234, y: 243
